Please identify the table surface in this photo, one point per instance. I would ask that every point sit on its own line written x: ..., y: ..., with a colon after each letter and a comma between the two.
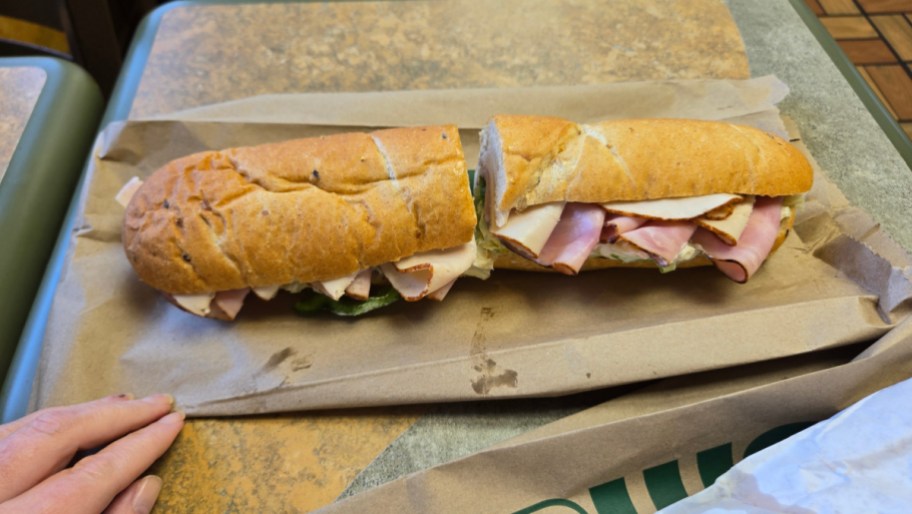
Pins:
x: 303, y: 461
x: 20, y: 87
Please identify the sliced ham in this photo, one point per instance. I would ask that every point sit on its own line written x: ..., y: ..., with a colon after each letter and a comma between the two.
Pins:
x: 662, y: 240
x: 741, y: 261
x: 529, y: 230
x: 416, y: 276
x: 574, y: 237
x: 616, y: 224
x: 360, y: 288
x: 230, y: 302
x: 334, y: 288
x: 672, y: 208
x: 730, y: 228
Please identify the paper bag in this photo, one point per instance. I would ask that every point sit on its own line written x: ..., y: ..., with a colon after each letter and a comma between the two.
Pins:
x: 645, y: 451
x: 514, y: 335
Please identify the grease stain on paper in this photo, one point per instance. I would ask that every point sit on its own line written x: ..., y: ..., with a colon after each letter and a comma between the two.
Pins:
x: 489, y: 380
x: 489, y: 377
x: 289, y: 356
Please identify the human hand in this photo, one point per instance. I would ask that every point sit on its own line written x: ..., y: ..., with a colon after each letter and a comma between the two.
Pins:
x: 36, y: 450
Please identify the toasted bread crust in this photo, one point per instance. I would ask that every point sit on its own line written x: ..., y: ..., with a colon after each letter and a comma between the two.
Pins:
x: 299, y: 211
x: 540, y: 160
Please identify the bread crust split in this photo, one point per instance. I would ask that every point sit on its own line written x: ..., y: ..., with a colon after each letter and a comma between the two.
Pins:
x: 300, y: 211
x: 531, y: 160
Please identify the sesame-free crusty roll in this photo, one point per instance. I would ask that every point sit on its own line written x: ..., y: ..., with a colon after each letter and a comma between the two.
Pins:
x: 635, y: 193
x: 307, y: 212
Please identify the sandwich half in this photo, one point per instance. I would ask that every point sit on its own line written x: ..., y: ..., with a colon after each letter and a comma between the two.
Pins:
x: 335, y: 214
x: 554, y: 195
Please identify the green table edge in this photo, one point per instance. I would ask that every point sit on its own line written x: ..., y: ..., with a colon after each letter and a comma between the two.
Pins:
x: 43, y: 171
x: 868, y: 97
x: 16, y: 391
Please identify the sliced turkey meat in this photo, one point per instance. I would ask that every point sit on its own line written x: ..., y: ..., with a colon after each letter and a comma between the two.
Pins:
x: 199, y: 304
x: 730, y: 228
x: 334, y: 288
x: 529, y: 230
x: 360, y: 288
x: 441, y: 293
x: 741, y: 261
x: 672, y: 208
x: 417, y: 276
x: 126, y: 193
x: 266, y: 293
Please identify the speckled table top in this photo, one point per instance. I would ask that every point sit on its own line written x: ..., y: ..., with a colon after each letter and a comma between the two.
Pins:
x: 204, y: 54
x: 245, y: 50
x: 20, y: 88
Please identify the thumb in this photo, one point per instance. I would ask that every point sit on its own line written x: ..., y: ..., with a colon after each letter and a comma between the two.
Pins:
x: 138, y: 498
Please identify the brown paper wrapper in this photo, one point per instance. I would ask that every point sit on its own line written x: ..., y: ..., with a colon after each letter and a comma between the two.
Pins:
x: 516, y: 334
x: 640, y: 452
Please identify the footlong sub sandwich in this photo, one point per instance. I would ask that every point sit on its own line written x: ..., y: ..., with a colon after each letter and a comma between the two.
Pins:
x: 332, y: 214
x: 663, y: 193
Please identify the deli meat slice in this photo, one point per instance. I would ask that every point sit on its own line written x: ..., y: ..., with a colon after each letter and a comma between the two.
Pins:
x: 672, y: 208
x: 574, y: 237
x: 529, y: 230
x: 336, y: 287
x: 663, y: 240
x: 441, y: 293
x: 419, y: 275
x: 741, y: 261
x: 230, y: 302
x: 266, y: 293
x: 126, y: 193
x: 360, y: 288
x: 617, y: 224
x: 730, y: 228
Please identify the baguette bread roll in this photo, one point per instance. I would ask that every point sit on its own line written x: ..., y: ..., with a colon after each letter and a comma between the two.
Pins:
x: 550, y: 164
x: 532, y: 160
x: 299, y: 211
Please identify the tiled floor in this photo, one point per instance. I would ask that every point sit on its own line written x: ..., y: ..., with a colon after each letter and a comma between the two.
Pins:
x: 877, y: 37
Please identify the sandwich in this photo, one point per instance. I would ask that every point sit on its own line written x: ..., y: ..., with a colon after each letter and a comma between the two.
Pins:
x: 370, y: 217
x: 554, y: 195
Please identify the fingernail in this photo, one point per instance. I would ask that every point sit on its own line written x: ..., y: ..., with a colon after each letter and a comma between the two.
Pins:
x: 146, y: 494
x: 167, y: 399
x: 174, y: 417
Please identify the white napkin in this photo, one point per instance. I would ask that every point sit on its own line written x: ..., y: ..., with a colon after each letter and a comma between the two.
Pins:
x: 860, y: 460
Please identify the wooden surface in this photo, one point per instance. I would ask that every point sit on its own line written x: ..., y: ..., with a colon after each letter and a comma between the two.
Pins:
x: 19, y: 91
x: 212, y: 53
x: 876, y: 35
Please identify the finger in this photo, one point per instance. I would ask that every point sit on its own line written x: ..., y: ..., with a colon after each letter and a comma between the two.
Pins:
x: 8, y: 428
x: 139, y: 498
x: 91, y: 485
x: 49, y: 440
